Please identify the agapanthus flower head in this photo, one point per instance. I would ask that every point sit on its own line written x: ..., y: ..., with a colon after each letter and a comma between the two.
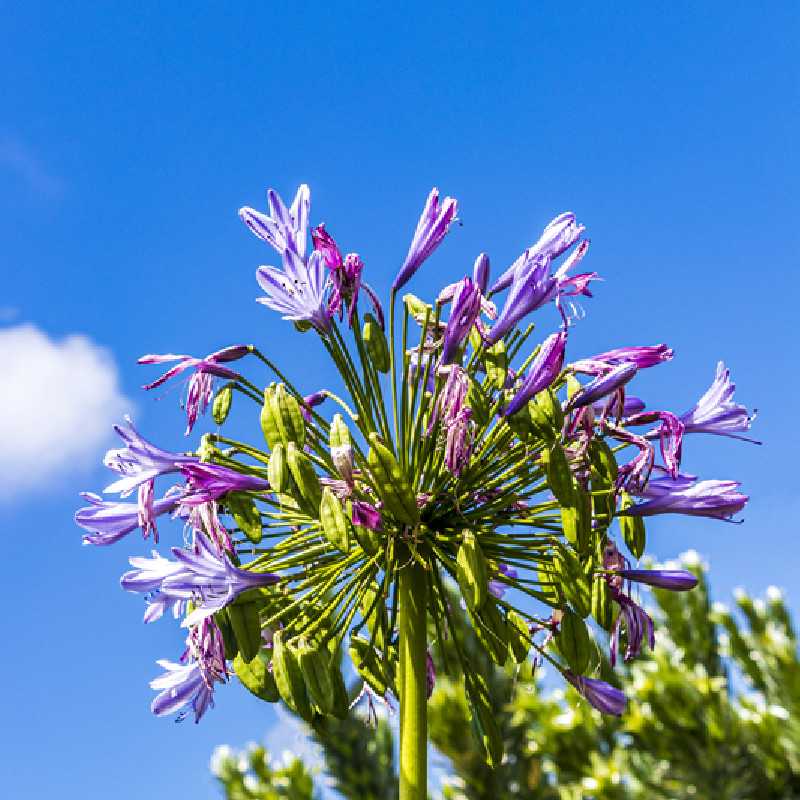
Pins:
x: 200, y: 390
x: 206, y: 482
x: 434, y: 222
x: 139, y: 461
x: 717, y: 412
x: 684, y: 495
x: 299, y: 291
x: 543, y: 371
x: 283, y: 228
x: 602, y: 696
x: 109, y: 521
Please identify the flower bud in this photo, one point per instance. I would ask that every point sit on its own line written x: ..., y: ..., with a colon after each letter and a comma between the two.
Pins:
x: 559, y: 476
x: 246, y: 515
x: 471, y: 572
x: 277, y: 471
x: 391, y: 483
x: 246, y: 626
x: 546, y: 415
x: 632, y: 528
x: 317, y: 675
x: 335, y: 524
x: 519, y: 637
x: 269, y: 423
x: 375, y: 341
x: 289, y: 678
x: 573, y: 641
x: 368, y: 666
x: 288, y: 416
x: 309, y: 491
x: 222, y: 404
x: 491, y: 631
x: 495, y: 359
x: 257, y: 677
x: 418, y: 308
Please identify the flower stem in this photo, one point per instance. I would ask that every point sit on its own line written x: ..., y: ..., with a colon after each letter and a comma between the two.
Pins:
x: 412, y: 683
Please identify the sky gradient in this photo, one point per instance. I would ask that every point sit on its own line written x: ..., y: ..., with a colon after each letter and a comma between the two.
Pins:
x: 131, y: 137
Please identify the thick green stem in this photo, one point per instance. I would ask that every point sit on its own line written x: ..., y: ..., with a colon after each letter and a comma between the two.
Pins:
x: 413, y: 683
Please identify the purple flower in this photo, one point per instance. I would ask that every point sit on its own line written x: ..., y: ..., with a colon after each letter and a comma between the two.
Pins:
x: 139, y: 461
x: 543, y: 371
x: 458, y: 442
x: 206, y: 482
x: 603, y: 385
x: 201, y: 384
x: 452, y: 397
x: 532, y: 287
x: 181, y: 685
x: 498, y: 587
x: 644, y: 356
x: 480, y: 272
x: 635, y: 474
x: 326, y: 245
x: 147, y: 578
x: 311, y: 401
x: 716, y: 412
x: 670, y: 433
x: 683, y: 495
x: 674, y: 580
x: 202, y: 575
x: 464, y: 313
x: 631, y: 405
x: 366, y: 515
x: 297, y: 292
x: 107, y: 522
x: 284, y: 228
x: 432, y: 227
x: 559, y: 235
x: 603, y: 696
x: 638, y: 627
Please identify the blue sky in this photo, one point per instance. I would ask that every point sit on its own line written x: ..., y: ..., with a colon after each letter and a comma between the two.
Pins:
x: 131, y: 137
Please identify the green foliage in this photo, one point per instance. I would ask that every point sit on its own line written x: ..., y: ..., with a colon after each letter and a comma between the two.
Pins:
x: 713, y: 714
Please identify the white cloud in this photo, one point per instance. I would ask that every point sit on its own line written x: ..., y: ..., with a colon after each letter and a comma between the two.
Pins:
x: 59, y: 400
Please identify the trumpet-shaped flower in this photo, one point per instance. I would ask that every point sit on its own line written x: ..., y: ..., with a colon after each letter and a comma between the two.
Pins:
x: 108, y: 522
x: 182, y: 685
x: 139, y: 461
x: 283, y: 228
x: 203, y: 575
x: 602, y: 696
x: 299, y: 290
x: 717, y: 412
x: 434, y: 222
x: 685, y: 495
x: 603, y: 385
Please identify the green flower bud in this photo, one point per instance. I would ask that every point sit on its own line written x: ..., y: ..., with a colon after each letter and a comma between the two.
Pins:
x: 491, y: 631
x: 495, y: 360
x: 222, y: 404
x: 246, y: 514
x: 546, y: 415
x: 374, y: 614
x: 573, y: 641
x: 228, y: 638
x: 375, y: 341
x: 335, y: 524
x: 602, y: 608
x: 289, y: 678
x: 471, y: 572
x: 288, y: 417
x: 477, y: 402
x: 559, y: 476
x: 391, y: 482
x: 269, y: 423
x: 632, y: 528
x: 305, y: 479
x: 368, y: 666
x: 519, y: 637
x: 277, y: 471
x: 574, y: 583
x: 246, y: 626
x: 317, y: 675
x: 256, y: 676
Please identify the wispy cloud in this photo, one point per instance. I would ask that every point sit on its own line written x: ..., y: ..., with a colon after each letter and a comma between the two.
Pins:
x: 60, y: 399
x: 16, y: 157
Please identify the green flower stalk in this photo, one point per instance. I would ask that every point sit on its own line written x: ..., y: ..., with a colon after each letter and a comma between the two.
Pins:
x: 458, y: 452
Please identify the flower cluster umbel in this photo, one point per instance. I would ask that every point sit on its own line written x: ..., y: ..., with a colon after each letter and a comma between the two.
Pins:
x: 497, y: 467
